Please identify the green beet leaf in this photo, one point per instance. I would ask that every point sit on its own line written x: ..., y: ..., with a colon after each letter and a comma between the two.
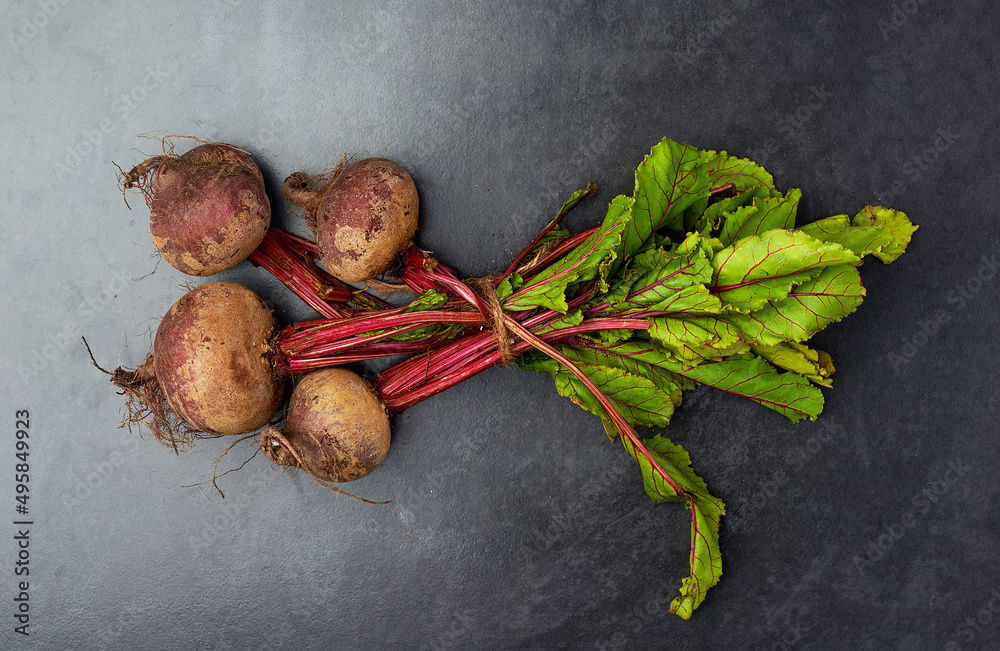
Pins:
x: 637, y: 358
x: 876, y: 231
x: 663, y: 270
x: 635, y: 397
x: 712, y: 217
x: 587, y: 261
x: 743, y: 173
x: 432, y: 299
x: 895, y: 222
x: 696, y: 299
x: 567, y: 320
x: 814, y: 365
x: 609, y: 337
x: 666, y: 281
x: 509, y: 285
x: 571, y: 203
x: 808, y: 308
x: 554, y: 230
x: 862, y: 240
x: 731, y: 224
x: 747, y: 180
x: 669, y: 180
x: 659, y: 458
x: 764, y: 214
x: 751, y: 377
x: 695, y: 338
x: 762, y: 268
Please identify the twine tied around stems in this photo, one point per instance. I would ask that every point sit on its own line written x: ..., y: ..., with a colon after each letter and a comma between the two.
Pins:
x: 486, y: 287
x: 498, y: 321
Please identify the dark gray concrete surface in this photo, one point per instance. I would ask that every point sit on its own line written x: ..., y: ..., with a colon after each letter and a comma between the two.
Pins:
x: 515, y: 523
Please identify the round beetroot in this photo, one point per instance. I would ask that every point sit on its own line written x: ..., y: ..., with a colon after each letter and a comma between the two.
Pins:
x: 336, y: 428
x: 212, y: 358
x: 208, y: 208
x: 362, y: 219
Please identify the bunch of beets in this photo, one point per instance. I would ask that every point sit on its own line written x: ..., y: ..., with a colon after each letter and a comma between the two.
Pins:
x: 700, y: 278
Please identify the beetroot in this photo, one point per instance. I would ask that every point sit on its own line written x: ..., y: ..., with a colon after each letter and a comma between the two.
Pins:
x: 336, y: 428
x: 363, y: 216
x: 208, y: 209
x: 212, y: 356
x: 211, y: 371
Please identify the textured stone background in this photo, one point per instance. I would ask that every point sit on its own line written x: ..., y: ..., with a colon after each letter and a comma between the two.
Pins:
x: 515, y: 523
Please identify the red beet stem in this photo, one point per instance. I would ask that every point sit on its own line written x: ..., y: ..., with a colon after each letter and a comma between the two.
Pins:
x: 456, y: 368
x: 325, y: 299
x: 590, y: 190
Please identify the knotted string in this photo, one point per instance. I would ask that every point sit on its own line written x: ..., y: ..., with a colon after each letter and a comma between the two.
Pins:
x: 496, y: 316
